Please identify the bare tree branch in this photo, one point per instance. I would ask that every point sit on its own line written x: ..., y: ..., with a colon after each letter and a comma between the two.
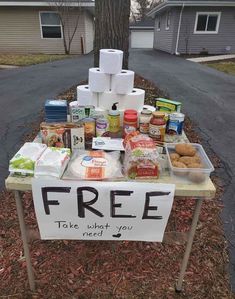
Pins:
x: 69, y: 18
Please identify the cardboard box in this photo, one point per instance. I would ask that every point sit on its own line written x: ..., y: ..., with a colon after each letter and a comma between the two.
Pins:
x: 168, y: 105
x: 68, y: 135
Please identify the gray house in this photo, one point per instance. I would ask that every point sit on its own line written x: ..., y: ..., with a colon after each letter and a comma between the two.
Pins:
x: 31, y: 26
x: 194, y: 27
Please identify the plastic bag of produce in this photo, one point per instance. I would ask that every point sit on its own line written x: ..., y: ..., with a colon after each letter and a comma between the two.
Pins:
x: 24, y: 160
x: 141, y: 157
x: 94, y: 165
x: 52, y: 162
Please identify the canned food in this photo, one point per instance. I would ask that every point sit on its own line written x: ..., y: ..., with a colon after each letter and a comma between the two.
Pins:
x: 175, y: 124
x: 101, y: 126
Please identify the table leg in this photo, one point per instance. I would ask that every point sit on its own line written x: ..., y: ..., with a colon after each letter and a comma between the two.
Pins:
x: 193, y: 228
x: 20, y: 213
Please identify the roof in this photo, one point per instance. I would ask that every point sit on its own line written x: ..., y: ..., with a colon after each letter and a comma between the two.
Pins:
x: 85, y: 3
x: 147, y: 23
x: 171, y: 3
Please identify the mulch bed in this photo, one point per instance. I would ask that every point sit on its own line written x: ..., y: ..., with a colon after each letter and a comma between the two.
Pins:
x: 97, y: 269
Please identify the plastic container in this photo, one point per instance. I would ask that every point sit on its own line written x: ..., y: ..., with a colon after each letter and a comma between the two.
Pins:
x: 190, y: 175
x: 130, y: 123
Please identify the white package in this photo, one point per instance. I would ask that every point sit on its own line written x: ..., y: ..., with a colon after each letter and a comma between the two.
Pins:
x: 85, y: 96
x: 111, y: 61
x: 94, y: 165
x: 98, y: 81
x: 24, y: 160
x: 123, y: 82
x: 108, y: 98
x: 133, y: 100
x: 52, y: 162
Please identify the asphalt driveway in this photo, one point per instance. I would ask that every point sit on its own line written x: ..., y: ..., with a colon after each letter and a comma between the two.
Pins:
x: 208, y: 98
x: 22, y: 94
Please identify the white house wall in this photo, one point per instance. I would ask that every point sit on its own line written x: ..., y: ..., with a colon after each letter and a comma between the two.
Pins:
x: 20, y: 32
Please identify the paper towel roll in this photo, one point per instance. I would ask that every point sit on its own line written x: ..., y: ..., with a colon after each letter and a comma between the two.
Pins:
x: 98, y: 81
x: 85, y: 96
x: 108, y: 98
x: 133, y: 100
x: 123, y: 82
x: 111, y: 61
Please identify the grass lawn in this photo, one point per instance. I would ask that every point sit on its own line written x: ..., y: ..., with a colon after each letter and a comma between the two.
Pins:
x: 28, y: 59
x: 226, y: 66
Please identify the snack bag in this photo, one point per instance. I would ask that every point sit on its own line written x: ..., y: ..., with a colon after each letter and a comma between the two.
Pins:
x: 52, y: 162
x: 141, y: 158
x: 24, y: 160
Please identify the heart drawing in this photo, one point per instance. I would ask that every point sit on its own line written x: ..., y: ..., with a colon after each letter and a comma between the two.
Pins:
x: 117, y: 236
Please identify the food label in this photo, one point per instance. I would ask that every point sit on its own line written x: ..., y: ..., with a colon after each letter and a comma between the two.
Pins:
x: 129, y: 129
x: 95, y: 165
x: 114, y: 123
x: 144, y: 128
x: 174, y: 127
x: 157, y: 132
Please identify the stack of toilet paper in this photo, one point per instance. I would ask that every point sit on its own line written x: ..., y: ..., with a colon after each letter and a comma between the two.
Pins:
x: 109, y: 84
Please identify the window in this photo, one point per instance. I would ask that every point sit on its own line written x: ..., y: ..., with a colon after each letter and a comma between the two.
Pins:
x: 158, y: 23
x: 50, y: 25
x: 207, y: 22
x: 168, y: 20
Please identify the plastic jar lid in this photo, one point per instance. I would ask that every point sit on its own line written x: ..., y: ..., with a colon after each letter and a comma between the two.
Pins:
x: 130, y: 118
x: 130, y: 112
x: 158, y: 114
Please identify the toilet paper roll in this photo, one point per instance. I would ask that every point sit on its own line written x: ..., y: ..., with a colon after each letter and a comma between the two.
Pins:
x: 108, y: 98
x: 133, y: 100
x: 98, y: 81
x: 123, y: 82
x: 85, y: 96
x: 111, y: 61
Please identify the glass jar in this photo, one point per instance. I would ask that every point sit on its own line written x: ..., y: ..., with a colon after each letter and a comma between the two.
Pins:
x: 157, y: 126
x: 145, y: 117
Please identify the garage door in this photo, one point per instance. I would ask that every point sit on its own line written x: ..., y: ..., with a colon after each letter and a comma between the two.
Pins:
x: 142, y: 39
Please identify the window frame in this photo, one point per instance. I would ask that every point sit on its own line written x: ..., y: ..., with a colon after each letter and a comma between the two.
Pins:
x: 50, y: 38
x: 159, y: 23
x: 168, y: 20
x: 208, y: 13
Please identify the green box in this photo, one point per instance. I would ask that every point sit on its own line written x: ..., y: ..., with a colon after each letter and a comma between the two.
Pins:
x: 168, y: 105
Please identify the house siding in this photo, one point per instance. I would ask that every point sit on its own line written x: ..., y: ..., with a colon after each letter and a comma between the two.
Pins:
x: 89, y: 33
x: 20, y: 32
x: 190, y: 43
x: 164, y: 39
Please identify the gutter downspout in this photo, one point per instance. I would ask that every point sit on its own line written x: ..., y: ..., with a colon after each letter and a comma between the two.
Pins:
x: 178, y: 33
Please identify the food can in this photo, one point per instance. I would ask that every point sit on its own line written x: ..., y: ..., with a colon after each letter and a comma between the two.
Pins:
x: 89, y: 110
x: 101, y: 126
x: 175, y: 123
x: 89, y: 131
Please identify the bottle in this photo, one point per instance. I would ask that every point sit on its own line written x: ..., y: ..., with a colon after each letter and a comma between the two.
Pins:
x: 114, y: 119
x: 130, y: 123
x: 157, y: 126
x: 145, y: 117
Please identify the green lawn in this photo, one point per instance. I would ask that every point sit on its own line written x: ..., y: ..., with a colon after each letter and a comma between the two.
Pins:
x: 224, y: 66
x: 28, y: 59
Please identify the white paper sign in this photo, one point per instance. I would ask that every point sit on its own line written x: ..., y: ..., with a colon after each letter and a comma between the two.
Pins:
x: 102, y: 210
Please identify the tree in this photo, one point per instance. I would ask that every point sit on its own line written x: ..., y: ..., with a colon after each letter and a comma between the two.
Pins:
x: 69, y: 14
x: 141, y: 8
x: 112, y: 27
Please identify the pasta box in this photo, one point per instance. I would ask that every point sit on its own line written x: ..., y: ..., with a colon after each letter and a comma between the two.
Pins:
x: 168, y: 106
